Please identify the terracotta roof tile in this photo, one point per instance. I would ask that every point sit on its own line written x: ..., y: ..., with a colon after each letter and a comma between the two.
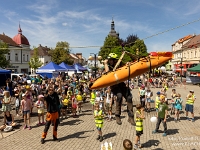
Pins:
x: 42, y: 51
x: 194, y: 42
x: 8, y: 40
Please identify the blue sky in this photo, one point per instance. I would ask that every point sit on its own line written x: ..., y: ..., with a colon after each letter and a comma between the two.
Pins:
x: 87, y: 22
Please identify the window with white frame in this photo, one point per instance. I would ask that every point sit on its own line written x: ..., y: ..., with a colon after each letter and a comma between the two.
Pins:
x: 27, y: 58
x: 16, y: 57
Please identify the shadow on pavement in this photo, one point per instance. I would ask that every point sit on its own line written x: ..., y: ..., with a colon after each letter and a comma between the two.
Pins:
x: 150, y: 143
x: 72, y: 122
x: 75, y: 135
x: 158, y: 149
x: 109, y: 135
x: 172, y: 131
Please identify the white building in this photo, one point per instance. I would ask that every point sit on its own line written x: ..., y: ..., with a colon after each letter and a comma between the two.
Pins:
x: 19, y: 54
x: 43, y: 54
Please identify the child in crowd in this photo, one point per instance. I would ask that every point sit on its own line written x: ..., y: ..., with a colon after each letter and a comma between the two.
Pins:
x: 173, y: 95
x: 40, y: 106
x: 190, y: 105
x: 79, y: 99
x: 6, y: 106
x: 17, y: 101
x: 142, y: 92
x: 26, y: 105
x: 127, y: 144
x: 98, y: 117
x: 177, y: 106
x: 74, y: 105
x: 148, y: 96
x: 162, y: 115
x: 8, y: 121
x: 109, y: 101
x: 157, y: 101
x: 99, y: 100
x: 139, y: 116
x: 92, y: 99
x: 64, y: 104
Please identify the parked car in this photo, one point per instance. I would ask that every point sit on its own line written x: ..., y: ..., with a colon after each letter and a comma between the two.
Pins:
x: 15, y: 75
x: 32, y: 75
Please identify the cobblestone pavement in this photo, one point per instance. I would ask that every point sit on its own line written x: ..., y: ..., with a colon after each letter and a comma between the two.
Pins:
x: 80, y: 133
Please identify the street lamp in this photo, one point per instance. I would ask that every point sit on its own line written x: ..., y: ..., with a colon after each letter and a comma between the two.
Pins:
x: 95, y: 63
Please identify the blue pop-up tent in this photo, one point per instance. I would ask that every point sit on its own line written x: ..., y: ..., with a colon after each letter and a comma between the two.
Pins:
x: 67, y: 67
x: 48, y: 69
x: 78, y: 67
x: 4, y: 75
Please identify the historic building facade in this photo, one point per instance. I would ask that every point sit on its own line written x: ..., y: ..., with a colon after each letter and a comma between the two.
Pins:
x: 19, y: 54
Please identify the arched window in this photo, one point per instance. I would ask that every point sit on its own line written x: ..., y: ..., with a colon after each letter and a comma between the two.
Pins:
x: 16, y: 57
x: 23, y: 57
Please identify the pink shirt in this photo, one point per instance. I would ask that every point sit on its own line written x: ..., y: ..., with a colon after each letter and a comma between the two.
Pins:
x: 26, y: 104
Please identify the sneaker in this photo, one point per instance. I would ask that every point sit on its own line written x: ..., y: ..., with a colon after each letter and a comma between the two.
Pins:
x: 42, y: 141
x: 153, y: 132
x: 29, y: 128
x: 43, y: 123
x: 164, y: 134
x: 192, y: 119
x: 39, y: 124
x: 25, y: 127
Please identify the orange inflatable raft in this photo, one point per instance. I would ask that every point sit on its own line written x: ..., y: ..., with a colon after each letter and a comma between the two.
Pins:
x: 155, y: 59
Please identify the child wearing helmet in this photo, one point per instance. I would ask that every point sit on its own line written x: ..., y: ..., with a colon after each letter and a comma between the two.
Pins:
x: 119, y: 90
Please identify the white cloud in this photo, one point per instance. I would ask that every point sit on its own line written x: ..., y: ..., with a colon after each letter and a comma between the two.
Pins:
x: 64, y: 24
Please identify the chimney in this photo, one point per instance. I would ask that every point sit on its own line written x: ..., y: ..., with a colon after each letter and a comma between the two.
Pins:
x: 39, y: 45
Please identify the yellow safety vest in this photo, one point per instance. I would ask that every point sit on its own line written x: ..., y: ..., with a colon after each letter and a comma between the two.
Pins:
x: 157, y: 101
x: 190, y: 101
x: 93, y: 97
x: 139, y: 123
x: 99, y: 119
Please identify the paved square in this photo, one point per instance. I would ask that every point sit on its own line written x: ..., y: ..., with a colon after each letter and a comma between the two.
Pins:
x: 80, y: 133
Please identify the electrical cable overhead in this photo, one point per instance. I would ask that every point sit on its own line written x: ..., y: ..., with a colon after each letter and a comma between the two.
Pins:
x: 129, y: 43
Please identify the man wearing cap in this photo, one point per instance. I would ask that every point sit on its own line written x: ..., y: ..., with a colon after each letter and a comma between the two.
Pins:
x: 52, y: 103
x: 120, y: 90
x: 190, y: 105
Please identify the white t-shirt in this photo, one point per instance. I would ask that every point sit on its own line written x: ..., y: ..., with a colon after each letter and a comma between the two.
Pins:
x: 148, y: 94
x: 109, y: 97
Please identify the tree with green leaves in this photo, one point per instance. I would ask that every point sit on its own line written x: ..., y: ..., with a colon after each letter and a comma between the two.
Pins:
x: 61, y: 53
x: 3, y: 51
x: 110, y: 44
x: 34, y: 62
x: 132, y: 44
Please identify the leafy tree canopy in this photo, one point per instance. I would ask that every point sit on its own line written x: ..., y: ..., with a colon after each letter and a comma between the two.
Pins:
x: 132, y: 44
x: 34, y: 62
x: 61, y: 53
x: 3, y: 51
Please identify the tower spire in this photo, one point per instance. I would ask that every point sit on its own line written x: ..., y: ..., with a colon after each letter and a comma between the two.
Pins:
x: 19, y: 30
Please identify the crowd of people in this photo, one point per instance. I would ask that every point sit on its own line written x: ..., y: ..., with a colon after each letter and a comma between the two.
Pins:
x: 65, y: 95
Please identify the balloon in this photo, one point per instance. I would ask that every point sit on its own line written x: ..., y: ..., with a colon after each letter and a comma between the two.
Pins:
x: 153, y: 119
